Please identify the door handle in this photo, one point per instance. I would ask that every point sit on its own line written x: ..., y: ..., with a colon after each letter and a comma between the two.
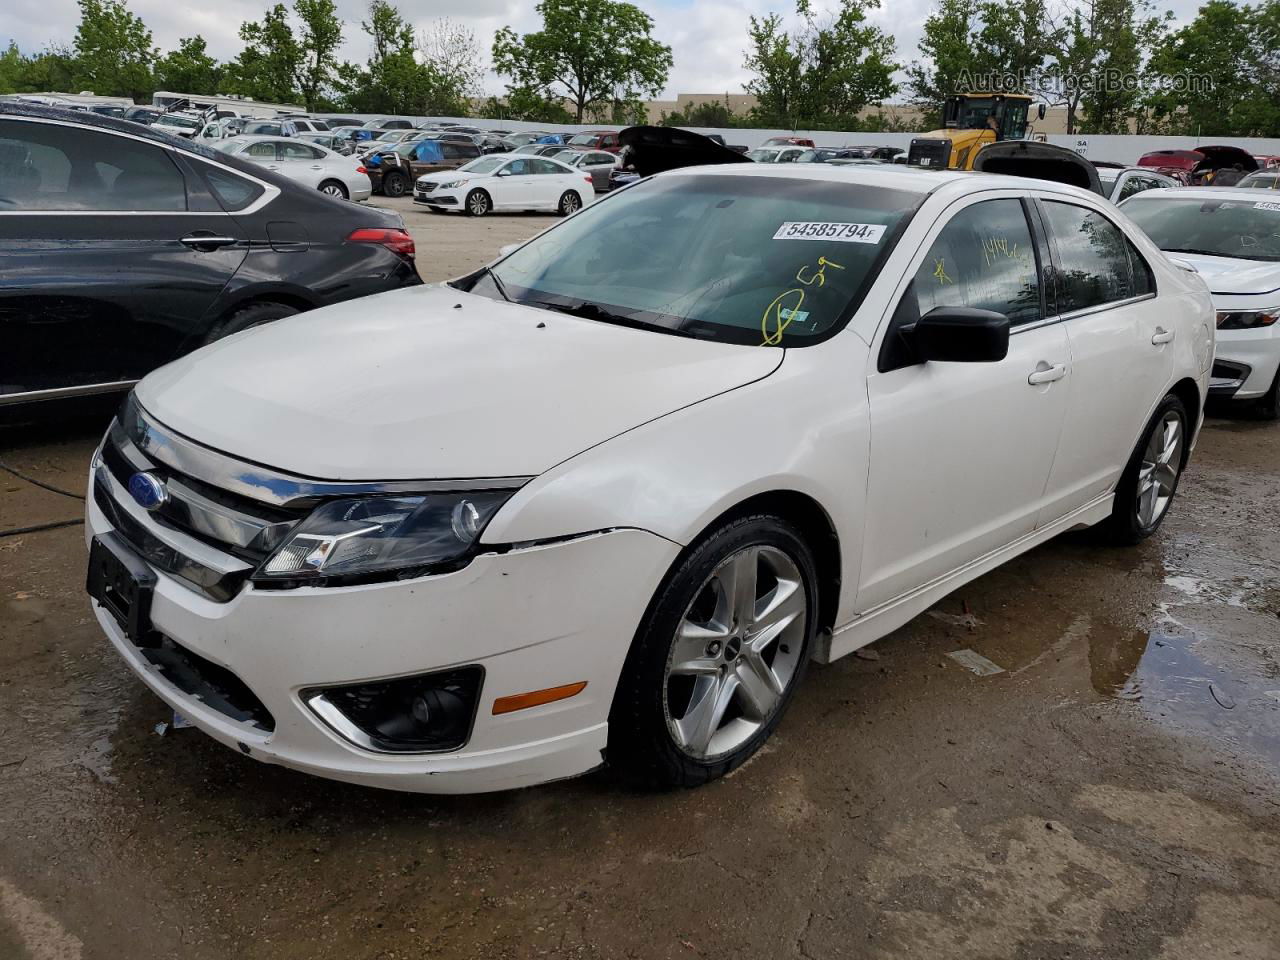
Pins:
x: 202, y: 242
x: 1162, y: 336
x: 316, y: 166
x: 1044, y: 373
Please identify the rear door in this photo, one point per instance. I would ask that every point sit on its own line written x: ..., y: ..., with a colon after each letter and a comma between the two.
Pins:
x: 109, y: 256
x: 301, y: 161
x: 1120, y: 350
x: 961, y: 452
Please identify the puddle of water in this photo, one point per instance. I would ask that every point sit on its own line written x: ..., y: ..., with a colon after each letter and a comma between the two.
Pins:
x: 1199, y: 589
x: 1162, y: 674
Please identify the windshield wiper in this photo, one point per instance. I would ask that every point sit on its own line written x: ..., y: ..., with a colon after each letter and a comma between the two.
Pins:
x: 593, y: 311
x: 1204, y: 253
x: 497, y: 282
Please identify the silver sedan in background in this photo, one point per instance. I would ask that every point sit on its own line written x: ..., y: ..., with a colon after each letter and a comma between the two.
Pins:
x: 309, y: 163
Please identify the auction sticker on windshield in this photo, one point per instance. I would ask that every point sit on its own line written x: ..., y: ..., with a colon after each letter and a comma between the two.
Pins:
x: 1266, y: 206
x: 842, y: 232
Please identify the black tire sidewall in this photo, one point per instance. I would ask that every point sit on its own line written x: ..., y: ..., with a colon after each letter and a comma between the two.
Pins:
x: 641, y: 749
x: 396, y: 179
x: 564, y: 207
x: 1124, y: 519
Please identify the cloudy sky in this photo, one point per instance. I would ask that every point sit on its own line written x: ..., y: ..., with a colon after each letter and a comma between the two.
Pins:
x: 707, y: 36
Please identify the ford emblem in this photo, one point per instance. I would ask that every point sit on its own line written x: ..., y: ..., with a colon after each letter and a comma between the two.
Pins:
x: 148, y: 491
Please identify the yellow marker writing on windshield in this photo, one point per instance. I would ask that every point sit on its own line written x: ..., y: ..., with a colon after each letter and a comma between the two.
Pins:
x: 783, y: 315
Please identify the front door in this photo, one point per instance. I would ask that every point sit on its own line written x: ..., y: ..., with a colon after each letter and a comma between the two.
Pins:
x: 961, y: 452
x: 104, y: 271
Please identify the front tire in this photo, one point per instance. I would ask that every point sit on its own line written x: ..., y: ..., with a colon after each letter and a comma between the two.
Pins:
x: 1150, y: 479
x: 478, y: 203
x: 719, y: 655
x: 1269, y: 405
x: 333, y: 188
x: 570, y: 203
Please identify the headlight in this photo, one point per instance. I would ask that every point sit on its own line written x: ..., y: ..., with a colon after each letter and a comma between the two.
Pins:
x: 450, y: 184
x: 1247, y: 319
x: 381, y: 538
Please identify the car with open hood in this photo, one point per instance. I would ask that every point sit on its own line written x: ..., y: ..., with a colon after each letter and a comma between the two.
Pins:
x: 1231, y: 238
x: 605, y: 498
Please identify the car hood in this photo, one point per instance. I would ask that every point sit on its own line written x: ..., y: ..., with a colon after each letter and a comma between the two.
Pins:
x: 434, y: 383
x: 1229, y: 276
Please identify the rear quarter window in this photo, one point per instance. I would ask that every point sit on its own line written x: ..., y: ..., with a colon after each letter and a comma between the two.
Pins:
x: 233, y: 191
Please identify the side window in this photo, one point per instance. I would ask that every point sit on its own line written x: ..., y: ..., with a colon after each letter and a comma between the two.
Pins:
x: 1135, y: 184
x: 299, y: 151
x: 545, y: 166
x: 983, y: 258
x: 262, y: 150
x: 519, y: 168
x: 1093, y: 257
x: 469, y: 150
x: 233, y: 192
x: 54, y: 167
x: 1144, y: 282
x: 600, y: 159
x: 450, y: 151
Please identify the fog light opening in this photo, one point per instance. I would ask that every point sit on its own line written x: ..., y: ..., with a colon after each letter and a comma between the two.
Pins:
x: 427, y: 713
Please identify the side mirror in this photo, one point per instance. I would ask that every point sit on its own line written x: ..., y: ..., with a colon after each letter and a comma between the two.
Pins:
x: 961, y: 335
x: 1041, y: 111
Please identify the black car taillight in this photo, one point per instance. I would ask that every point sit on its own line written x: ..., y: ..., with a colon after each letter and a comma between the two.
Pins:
x: 395, y: 240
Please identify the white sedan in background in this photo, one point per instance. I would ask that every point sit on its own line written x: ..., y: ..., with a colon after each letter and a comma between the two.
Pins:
x: 1231, y: 236
x: 506, y: 182
x: 309, y: 163
x: 606, y: 497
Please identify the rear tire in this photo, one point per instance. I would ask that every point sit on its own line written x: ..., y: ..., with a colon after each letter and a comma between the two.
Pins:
x: 333, y: 188
x: 1150, y: 479
x: 570, y: 203
x: 250, y: 315
x: 478, y: 203
x: 395, y: 184
x: 713, y: 667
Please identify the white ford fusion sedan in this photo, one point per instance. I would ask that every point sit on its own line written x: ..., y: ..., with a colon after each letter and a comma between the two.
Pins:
x: 606, y: 498
x: 1232, y: 237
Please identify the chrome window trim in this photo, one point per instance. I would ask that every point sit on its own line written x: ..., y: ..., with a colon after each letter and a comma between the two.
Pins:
x: 269, y: 191
x: 54, y: 393
x: 267, y: 484
x: 1075, y: 314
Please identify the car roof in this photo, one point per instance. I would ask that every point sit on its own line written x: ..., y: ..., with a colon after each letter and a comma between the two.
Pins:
x: 891, y: 176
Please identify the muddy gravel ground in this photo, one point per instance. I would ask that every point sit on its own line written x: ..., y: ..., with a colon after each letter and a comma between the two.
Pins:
x: 1111, y: 793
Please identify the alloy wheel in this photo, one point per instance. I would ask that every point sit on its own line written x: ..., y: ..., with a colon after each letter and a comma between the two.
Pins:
x: 735, y: 653
x: 477, y: 204
x: 332, y: 189
x: 1158, y: 475
x: 569, y: 204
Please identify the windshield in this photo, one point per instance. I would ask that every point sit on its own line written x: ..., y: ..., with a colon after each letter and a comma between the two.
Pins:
x: 1247, y: 229
x: 1260, y: 181
x: 734, y: 259
x: 567, y: 156
x: 391, y: 135
x: 975, y: 112
x: 266, y: 129
x: 586, y: 139
x: 169, y: 120
x: 761, y: 155
x: 483, y: 165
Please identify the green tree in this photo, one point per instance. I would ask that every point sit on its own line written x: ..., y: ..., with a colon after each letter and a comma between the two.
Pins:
x: 948, y: 48
x: 189, y: 69
x: 823, y: 74
x: 1232, y: 47
x: 592, y: 52
x: 1015, y: 39
x: 713, y: 113
x: 521, y: 103
x: 284, y: 61
x: 453, y: 55
x: 114, y: 55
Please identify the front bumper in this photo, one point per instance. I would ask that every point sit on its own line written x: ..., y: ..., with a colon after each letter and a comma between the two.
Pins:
x: 533, y: 618
x: 1255, y: 357
x: 450, y: 198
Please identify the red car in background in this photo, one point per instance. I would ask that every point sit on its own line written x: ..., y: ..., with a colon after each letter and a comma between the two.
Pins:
x: 1201, y: 165
x: 596, y: 140
x: 788, y: 142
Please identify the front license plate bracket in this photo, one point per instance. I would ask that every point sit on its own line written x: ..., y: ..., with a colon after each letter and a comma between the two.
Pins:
x: 122, y: 583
